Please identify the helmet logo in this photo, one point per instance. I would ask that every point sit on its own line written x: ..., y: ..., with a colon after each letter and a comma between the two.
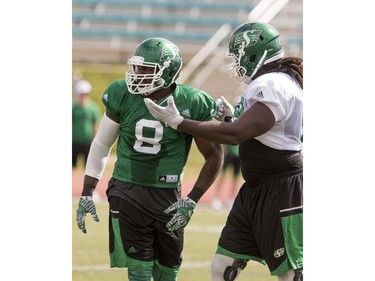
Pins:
x: 248, y: 38
x: 167, y: 52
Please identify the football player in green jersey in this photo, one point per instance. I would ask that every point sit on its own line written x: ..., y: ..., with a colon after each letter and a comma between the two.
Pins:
x: 147, y: 211
x: 265, y: 223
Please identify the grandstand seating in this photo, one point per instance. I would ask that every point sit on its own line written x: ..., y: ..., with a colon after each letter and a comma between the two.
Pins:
x: 108, y: 30
x: 173, y: 19
x: 176, y: 4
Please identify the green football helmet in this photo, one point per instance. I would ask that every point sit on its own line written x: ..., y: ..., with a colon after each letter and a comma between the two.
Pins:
x: 252, y: 45
x: 162, y: 61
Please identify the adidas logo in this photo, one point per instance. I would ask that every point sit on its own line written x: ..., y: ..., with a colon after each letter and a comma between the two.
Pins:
x: 105, y: 96
x: 132, y: 250
x: 186, y: 112
x: 162, y: 178
x: 260, y: 95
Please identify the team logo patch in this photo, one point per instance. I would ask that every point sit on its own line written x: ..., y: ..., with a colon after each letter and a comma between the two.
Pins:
x: 248, y: 38
x: 278, y: 253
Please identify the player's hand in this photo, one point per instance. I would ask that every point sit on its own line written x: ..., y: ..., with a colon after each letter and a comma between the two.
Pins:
x: 169, y: 114
x: 225, y: 110
x: 185, y: 209
x: 85, y: 205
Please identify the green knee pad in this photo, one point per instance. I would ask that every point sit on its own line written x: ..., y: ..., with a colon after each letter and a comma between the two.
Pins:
x: 162, y: 273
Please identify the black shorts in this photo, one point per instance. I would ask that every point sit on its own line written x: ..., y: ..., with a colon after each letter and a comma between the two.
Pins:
x: 265, y: 225
x: 135, y: 234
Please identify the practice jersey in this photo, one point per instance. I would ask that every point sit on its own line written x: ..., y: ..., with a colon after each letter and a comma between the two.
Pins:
x: 283, y: 96
x: 277, y: 152
x: 148, y: 152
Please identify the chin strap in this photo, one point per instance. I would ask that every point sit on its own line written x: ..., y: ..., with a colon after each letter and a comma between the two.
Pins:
x: 258, y: 64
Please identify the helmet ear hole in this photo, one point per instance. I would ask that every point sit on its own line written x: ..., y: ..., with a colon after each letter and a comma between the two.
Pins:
x: 252, y: 58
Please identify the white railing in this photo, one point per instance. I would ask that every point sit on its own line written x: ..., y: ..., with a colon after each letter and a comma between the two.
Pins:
x: 204, y: 52
x: 266, y: 10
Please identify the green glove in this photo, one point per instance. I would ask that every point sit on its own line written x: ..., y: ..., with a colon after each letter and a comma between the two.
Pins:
x: 85, y: 205
x: 185, y: 209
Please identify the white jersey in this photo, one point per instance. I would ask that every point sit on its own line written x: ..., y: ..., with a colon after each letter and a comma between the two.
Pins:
x: 283, y: 96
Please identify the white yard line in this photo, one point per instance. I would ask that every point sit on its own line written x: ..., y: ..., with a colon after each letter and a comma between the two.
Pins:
x: 204, y: 228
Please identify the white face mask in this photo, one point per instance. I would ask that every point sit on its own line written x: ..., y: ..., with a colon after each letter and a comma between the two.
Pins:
x: 143, y: 83
x: 235, y: 70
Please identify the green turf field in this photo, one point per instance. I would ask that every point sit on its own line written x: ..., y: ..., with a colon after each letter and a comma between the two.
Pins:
x: 91, y: 260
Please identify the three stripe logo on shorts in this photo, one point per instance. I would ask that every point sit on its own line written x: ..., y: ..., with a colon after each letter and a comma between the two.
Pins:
x: 132, y: 250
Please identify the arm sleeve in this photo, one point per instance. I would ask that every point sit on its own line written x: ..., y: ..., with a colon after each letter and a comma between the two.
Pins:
x: 101, y: 146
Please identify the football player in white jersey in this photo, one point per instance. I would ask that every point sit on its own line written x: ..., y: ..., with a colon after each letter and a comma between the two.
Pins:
x: 266, y: 221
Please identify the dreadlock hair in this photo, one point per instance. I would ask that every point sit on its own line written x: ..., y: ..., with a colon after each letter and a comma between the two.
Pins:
x: 290, y: 65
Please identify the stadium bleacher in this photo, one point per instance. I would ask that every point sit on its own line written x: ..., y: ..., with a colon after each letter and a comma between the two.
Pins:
x: 107, y: 31
x: 188, y: 21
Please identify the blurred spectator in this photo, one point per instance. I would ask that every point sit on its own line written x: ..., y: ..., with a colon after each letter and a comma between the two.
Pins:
x: 231, y: 159
x: 85, y: 120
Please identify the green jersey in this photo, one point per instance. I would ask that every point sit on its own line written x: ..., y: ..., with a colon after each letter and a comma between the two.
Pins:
x: 148, y: 152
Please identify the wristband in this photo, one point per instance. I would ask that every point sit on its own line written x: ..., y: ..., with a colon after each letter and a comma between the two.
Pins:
x: 195, y: 194
x: 88, y: 190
